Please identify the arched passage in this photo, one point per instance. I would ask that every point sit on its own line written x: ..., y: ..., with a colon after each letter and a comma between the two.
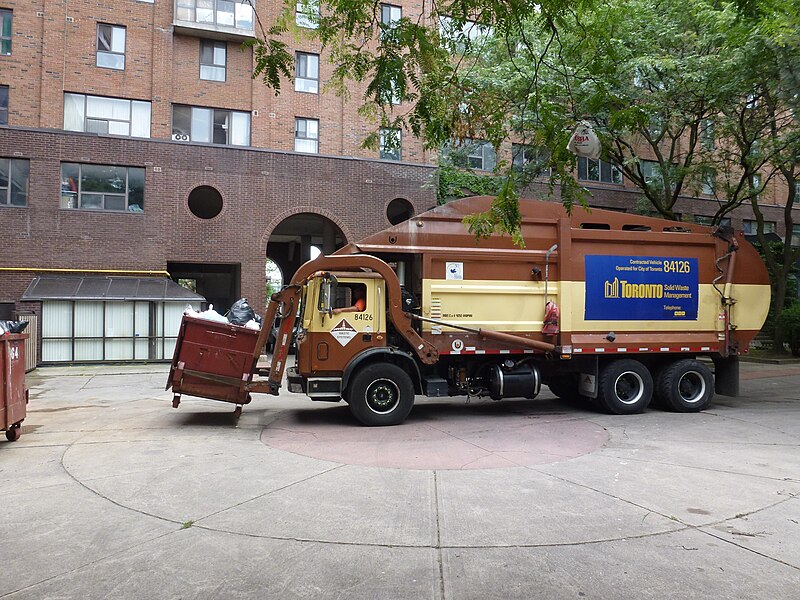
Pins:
x: 292, y: 241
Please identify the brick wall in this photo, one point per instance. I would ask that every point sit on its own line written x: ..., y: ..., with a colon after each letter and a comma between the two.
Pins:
x: 259, y: 188
x: 56, y: 52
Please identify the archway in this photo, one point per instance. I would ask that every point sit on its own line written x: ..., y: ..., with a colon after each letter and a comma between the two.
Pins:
x: 294, y: 240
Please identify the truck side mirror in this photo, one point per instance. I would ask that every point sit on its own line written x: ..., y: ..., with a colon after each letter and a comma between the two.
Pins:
x: 327, y: 292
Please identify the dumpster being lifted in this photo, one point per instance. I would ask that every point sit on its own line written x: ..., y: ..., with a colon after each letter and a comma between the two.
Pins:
x: 13, y: 395
x: 615, y: 307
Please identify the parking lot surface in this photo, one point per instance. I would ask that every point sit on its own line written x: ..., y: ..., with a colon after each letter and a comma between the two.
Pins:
x: 112, y: 493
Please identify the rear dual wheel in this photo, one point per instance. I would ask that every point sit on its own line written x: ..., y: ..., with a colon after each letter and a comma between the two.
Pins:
x: 685, y: 386
x: 625, y: 387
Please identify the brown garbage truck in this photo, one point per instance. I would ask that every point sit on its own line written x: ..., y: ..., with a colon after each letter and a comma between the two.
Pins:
x: 598, y: 304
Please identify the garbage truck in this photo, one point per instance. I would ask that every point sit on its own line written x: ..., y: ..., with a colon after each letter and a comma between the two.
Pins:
x: 601, y: 305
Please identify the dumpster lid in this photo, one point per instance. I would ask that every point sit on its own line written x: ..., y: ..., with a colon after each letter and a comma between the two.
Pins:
x: 98, y: 287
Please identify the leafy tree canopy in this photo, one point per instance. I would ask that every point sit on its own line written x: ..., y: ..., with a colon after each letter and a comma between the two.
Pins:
x: 653, y: 76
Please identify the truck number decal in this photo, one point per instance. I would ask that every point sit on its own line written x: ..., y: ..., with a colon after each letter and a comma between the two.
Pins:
x: 677, y: 266
x: 641, y: 288
x: 363, y: 317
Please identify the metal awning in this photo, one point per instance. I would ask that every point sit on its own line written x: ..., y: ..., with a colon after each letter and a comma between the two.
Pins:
x: 97, y: 287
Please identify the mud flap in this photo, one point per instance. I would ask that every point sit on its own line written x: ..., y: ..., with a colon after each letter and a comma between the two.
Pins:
x: 587, y: 379
x: 726, y: 376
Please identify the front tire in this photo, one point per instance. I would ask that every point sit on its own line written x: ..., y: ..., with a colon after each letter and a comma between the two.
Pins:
x: 380, y: 394
x: 685, y: 386
x: 625, y: 387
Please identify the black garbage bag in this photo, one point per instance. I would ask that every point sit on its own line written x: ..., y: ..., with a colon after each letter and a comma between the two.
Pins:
x: 241, y: 312
x: 12, y: 326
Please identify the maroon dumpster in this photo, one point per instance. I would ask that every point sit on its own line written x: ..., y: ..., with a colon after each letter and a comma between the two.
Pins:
x: 213, y: 360
x: 13, y: 395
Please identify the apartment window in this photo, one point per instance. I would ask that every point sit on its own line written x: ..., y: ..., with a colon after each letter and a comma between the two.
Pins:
x: 533, y: 159
x: 306, y: 73
x: 709, y: 221
x: 391, y: 142
x: 481, y: 155
x: 212, y: 60
x: 306, y: 135
x: 226, y: 13
x: 472, y: 154
x: 110, y: 46
x: 651, y: 171
x: 5, y: 32
x: 459, y: 33
x: 307, y: 14
x: 115, y: 116
x: 598, y: 170
x: 14, y: 175
x: 3, y: 105
x: 708, y: 185
x: 795, y: 235
x: 707, y: 135
x: 210, y: 125
x: 390, y: 15
x: 750, y: 226
x: 102, y: 187
x: 755, y: 182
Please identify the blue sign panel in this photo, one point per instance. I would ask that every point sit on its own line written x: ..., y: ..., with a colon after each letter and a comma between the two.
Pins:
x: 641, y: 288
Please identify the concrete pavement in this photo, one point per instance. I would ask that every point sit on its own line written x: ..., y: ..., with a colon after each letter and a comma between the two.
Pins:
x: 112, y: 493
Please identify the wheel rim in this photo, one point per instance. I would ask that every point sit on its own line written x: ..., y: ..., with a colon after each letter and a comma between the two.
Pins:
x: 629, y: 388
x: 691, y: 387
x: 382, y: 396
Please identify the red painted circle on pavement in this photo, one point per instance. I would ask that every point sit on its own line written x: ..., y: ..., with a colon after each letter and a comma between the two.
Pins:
x: 441, y: 434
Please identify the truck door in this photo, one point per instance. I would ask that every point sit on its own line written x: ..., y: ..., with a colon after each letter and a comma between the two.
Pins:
x: 348, y: 317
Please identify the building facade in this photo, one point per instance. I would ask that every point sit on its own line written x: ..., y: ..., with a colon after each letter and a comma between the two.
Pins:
x: 135, y: 142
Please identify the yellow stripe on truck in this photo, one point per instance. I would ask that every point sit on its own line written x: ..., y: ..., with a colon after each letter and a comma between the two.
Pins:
x: 519, y: 306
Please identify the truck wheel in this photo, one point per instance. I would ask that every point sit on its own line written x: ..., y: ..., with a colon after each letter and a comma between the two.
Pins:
x: 625, y: 387
x: 685, y: 386
x: 380, y: 394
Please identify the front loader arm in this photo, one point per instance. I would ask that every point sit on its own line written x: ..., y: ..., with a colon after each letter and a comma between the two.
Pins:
x: 286, y: 301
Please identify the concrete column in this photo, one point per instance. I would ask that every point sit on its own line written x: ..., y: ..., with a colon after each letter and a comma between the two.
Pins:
x: 328, y: 237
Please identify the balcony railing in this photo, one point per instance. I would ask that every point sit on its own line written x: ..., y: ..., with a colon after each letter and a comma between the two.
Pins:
x: 223, y: 19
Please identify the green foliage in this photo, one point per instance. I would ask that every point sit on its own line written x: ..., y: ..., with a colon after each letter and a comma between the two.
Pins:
x: 783, y: 275
x: 502, y: 217
x: 646, y: 73
x: 789, y: 320
x: 456, y: 183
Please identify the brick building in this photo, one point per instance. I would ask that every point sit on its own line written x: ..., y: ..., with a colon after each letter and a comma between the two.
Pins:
x: 134, y: 142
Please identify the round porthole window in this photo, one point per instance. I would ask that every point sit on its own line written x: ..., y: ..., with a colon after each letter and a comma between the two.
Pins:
x: 205, y: 202
x: 399, y: 210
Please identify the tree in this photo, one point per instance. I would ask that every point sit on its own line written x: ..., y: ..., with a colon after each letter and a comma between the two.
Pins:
x: 652, y: 75
x: 761, y: 138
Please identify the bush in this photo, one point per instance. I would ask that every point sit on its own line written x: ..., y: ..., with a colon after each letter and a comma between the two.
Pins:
x: 789, y: 320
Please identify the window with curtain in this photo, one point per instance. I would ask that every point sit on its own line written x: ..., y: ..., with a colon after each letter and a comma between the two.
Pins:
x: 98, y: 114
x: 210, y: 125
x: 306, y: 135
x: 306, y: 73
x: 213, y: 59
